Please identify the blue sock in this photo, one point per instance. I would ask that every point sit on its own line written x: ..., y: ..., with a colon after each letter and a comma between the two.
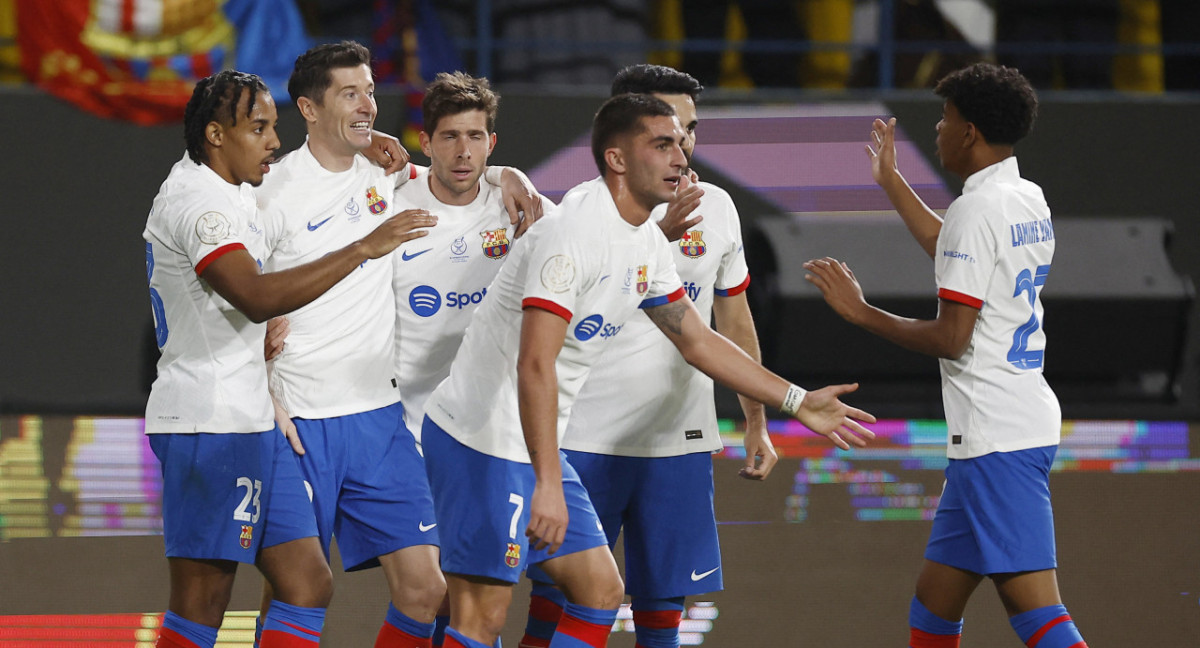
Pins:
x: 1047, y: 627
x: 928, y: 629
x: 439, y: 629
x: 201, y: 635
x: 583, y: 627
x: 545, y: 608
x: 302, y: 622
x: 656, y: 621
x: 400, y: 629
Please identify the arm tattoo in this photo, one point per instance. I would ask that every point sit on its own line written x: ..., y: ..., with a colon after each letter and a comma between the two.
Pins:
x: 669, y: 317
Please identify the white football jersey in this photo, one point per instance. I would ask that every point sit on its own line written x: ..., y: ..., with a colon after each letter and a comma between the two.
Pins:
x: 672, y: 411
x: 583, y: 262
x: 211, y: 375
x: 439, y: 280
x: 994, y: 253
x: 337, y: 359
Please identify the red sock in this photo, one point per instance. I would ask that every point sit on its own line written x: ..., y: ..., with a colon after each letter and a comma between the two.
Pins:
x: 168, y: 638
x: 921, y: 639
x: 392, y: 637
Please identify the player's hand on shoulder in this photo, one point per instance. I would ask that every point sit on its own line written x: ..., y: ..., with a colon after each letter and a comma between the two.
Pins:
x: 823, y: 412
x: 521, y: 200
x: 399, y: 228
x: 387, y: 152
x: 277, y: 332
x: 679, y: 218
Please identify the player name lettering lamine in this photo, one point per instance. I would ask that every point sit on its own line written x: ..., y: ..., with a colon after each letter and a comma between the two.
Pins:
x: 1032, y: 232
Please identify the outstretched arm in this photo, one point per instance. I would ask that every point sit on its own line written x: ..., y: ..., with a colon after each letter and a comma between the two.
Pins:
x: 235, y: 276
x: 922, y: 222
x: 712, y: 353
x: 542, y: 335
x: 733, y: 320
x: 948, y: 336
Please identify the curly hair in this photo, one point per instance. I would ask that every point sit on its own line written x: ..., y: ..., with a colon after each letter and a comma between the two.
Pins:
x: 997, y: 99
x: 311, y: 73
x: 622, y: 115
x: 215, y: 98
x: 655, y: 79
x: 451, y: 94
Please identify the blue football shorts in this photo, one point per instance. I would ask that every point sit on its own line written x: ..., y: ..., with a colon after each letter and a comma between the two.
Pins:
x: 995, y: 515
x: 483, y: 508
x: 368, y: 484
x: 226, y: 496
x: 665, y: 506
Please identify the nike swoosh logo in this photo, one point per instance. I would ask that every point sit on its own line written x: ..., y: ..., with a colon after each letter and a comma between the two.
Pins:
x: 602, y: 279
x: 405, y: 256
x: 696, y: 577
x: 425, y: 527
x: 313, y: 228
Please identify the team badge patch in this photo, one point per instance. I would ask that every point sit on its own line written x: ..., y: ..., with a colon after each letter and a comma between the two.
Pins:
x: 247, y: 536
x: 643, y: 280
x: 495, y: 243
x: 375, y: 202
x: 512, y: 556
x: 691, y: 244
x: 213, y: 227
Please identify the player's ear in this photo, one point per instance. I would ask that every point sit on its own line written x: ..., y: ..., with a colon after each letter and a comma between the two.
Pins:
x: 615, y: 159
x: 214, y: 133
x: 308, y: 108
x: 423, y: 139
x: 971, y: 135
x: 491, y: 143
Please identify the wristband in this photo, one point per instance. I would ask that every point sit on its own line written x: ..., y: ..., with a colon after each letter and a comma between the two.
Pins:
x: 791, y: 402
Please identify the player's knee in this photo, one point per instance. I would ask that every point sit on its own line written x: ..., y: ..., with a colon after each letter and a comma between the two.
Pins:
x: 307, y: 586
x: 425, y: 593
x: 611, y: 592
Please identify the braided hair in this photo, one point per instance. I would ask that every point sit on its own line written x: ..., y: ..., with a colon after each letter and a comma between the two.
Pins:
x: 214, y: 95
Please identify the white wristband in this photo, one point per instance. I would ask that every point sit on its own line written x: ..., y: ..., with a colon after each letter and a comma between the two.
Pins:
x: 492, y: 175
x: 791, y: 402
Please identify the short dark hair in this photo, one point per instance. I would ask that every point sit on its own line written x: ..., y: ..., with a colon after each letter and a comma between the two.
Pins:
x: 311, y: 73
x: 215, y: 98
x: 655, y: 79
x: 451, y: 94
x: 622, y: 115
x: 997, y: 99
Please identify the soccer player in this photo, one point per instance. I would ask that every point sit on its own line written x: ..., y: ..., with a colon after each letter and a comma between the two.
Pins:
x: 439, y: 283
x: 645, y: 455
x: 333, y: 382
x: 232, y: 491
x: 991, y: 253
x: 504, y: 495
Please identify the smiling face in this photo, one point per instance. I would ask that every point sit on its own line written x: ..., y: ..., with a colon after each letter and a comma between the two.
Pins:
x: 458, y: 150
x: 341, y: 123
x: 242, y: 152
x: 654, y: 159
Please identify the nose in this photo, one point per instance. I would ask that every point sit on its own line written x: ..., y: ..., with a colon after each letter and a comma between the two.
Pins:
x: 273, y: 143
x: 464, y: 148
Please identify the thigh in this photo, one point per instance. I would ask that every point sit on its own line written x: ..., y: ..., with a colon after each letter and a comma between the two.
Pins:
x: 1027, y: 591
x: 671, y: 543
x: 481, y: 503
x: 385, y: 504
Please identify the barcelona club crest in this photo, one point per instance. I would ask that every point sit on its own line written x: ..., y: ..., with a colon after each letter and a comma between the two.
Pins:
x: 247, y: 536
x: 692, y: 244
x: 512, y: 557
x: 495, y: 243
x: 643, y: 281
x: 375, y: 203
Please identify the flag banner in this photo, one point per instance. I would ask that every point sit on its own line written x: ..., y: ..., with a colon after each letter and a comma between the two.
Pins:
x: 137, y: 60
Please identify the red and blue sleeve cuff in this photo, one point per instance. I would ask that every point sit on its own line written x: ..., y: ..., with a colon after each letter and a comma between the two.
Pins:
x: 216, y: 254
x: 662, y: 299
x: 736, y: 290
